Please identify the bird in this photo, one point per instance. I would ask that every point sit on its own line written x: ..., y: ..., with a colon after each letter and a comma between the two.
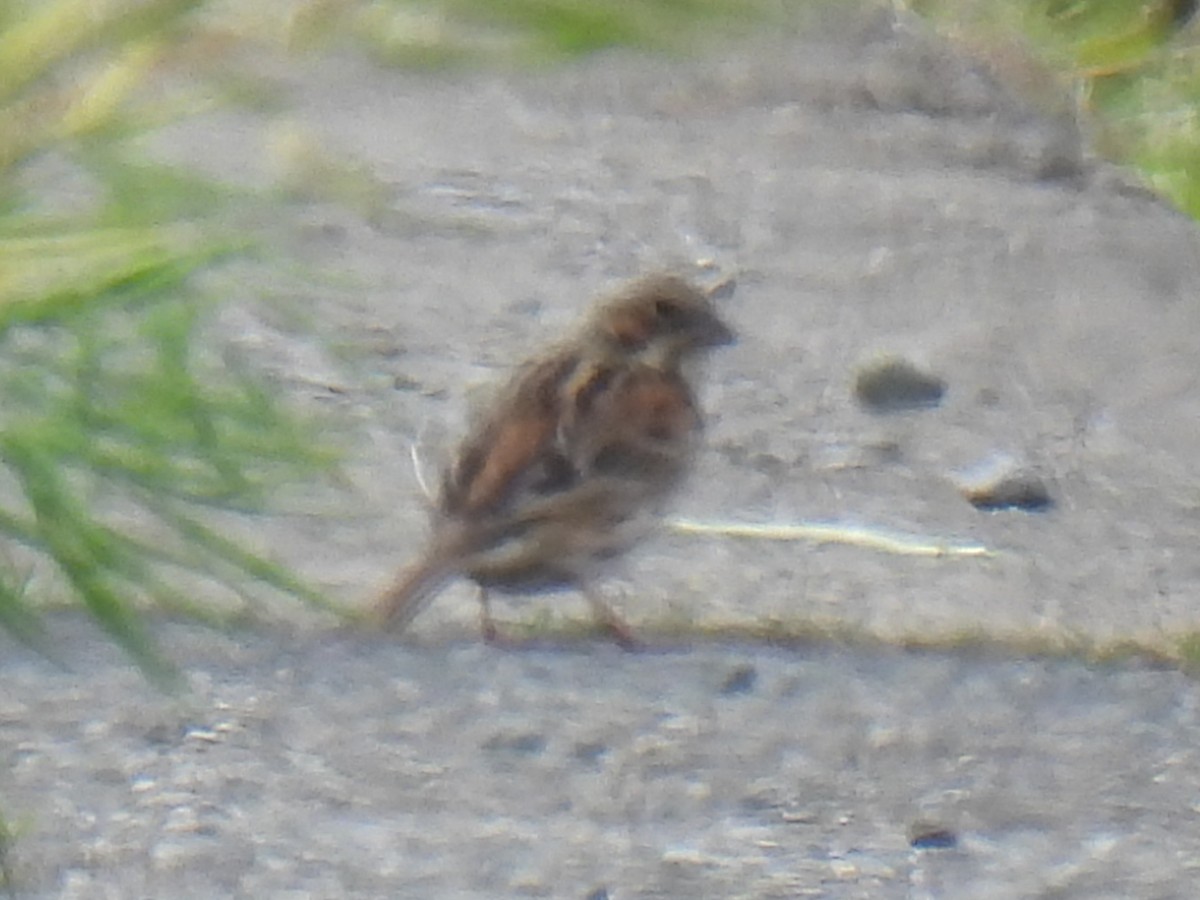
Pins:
x: 573, y: 459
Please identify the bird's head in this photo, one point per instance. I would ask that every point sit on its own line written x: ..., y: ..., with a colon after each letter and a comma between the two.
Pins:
x: 659, y: 319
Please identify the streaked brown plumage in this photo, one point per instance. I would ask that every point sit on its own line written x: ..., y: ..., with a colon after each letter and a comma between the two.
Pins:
x: 578, y: 449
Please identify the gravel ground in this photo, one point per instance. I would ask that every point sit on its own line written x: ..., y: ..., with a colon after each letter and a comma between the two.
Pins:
x: 339, y: 767
x: 875, y: 195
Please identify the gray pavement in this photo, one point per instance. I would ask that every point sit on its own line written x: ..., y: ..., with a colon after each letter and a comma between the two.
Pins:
x: 337, y: 766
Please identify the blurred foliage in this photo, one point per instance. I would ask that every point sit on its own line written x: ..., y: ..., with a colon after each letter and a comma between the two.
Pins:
x: 121, y: 443
x: 1130, y: 69
x: 1189, y: 653
x: 9, y: 834
x: 450, y: 32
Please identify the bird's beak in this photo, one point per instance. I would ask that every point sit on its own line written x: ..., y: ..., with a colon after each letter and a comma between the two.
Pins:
x: 716, y: 333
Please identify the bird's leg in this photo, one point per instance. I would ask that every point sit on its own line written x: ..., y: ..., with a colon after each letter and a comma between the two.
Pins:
x: 608, y: 619
x: 487, y: 625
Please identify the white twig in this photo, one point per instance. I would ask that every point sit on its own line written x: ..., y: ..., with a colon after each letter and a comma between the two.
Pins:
x: 874, y: 539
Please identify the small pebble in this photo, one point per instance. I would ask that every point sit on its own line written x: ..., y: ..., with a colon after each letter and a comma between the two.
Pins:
x: 892, y: 384
x: 931, y: 836
x: 589, y: 751
x: 518, y: 743
x: 740, y: 680
x: 1016, y: 490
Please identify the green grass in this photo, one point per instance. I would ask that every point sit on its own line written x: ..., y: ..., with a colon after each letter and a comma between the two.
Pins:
x: 7, y: 878
x: 1129, y: 69
x: 439, y: 33
x: 1187, y: 653
x: 10, y: 868
x: 121, y: 443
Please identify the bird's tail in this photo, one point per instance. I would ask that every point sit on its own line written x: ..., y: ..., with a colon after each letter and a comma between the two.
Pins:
x: 411, y: 591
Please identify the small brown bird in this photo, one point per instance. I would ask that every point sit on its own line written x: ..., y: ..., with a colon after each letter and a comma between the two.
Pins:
x: 582, y: 446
